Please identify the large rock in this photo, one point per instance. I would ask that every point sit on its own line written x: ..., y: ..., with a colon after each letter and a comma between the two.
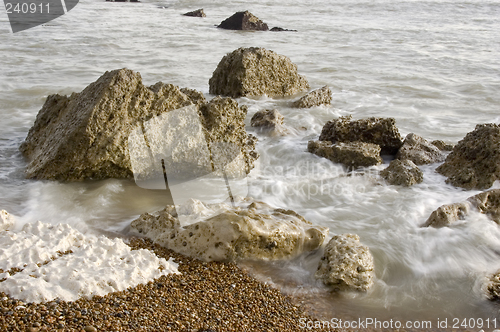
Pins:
x: 256, y: 232
x: 419, y: 150
x: 317, y: 97
x: 269, y: 120
x: 402, y: 173
x: 346, y: 264
x: 85, y: 135
x: 256, y: 72
x: 474, y: 162
x: 380, y: 131
x: 351, y: 154
x: 243, y: 21
x: 6, y: 221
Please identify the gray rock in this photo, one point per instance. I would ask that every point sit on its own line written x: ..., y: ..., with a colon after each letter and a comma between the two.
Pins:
x: 269, y: 120
x: 317, y: 97
x: 474, y: 162
x: 402, y: 173
x: 347, y: 265
x: 7, y: 221
x: 196, y: 13
x: 442, y: 145
x: 419, y: 150
x: 351, y: 154
x: 256, y: 72
x: 243, y: 21
x: 380, y: 131
x: 280, y: 29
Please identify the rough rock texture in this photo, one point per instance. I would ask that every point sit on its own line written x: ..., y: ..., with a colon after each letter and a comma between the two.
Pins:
x: 243, y: 21
x: 492, y: 287
x: 85, y: 135
x: 351, y: 154
x: 317, y: 97
x: 419, y: 150
x: 488, y: 202
x: 402, y: 173
x: 196, y: 13
x: 269, y: 120
x: 346, y: 264
x: 6, y: 221
x: 380, y: 131
x: 474, y: 162
x: 257, y: 232
x: 442, y: 145
x: 256, y: 72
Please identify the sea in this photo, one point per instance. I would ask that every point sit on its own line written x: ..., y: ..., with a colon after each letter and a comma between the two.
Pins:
x: 433, y: 65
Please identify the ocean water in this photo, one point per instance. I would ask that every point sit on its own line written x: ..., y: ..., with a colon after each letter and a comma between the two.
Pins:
x: 432, y: 65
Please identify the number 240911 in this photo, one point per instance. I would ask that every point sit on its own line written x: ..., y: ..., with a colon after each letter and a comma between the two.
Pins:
x: 27, y: 8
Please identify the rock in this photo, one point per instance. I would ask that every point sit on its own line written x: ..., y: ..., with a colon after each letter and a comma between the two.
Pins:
x: 85, y: 135
x: 278, y: 29
x: 402, y: 173
x: 346, y: 264
x: 7, y: 221
x: 351, y: 154
x: 492, y: 287
x: 317, y: 97
x: 474, y: 162
x: 256, y: 72
x: 488, y: 202
x: 256, y: 232
x: 380, y: 131
x: 196, y: 13
x: 442, y: 145
x: 419, y: 150
x: 269, y: 120
x: 243, y: 21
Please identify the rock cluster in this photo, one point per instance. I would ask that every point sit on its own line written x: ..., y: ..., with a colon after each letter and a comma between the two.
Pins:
x: 269, y: 120
x: 196, y: 13
x: 351, y: 154
x: 402, y: 173
x: 243, y: 21
x: 317, y: 97
x: 347, y: 264
x: 419, y: 151
x: 6, y: 221
x: 256, y: 72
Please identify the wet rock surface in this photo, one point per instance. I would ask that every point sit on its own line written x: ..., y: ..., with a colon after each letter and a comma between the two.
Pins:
x: 269, y: 120
x: 243, y: 21
x: 351, y: 154
x: 402, y: 173
x: 419, y: 151
x: 317, y: 97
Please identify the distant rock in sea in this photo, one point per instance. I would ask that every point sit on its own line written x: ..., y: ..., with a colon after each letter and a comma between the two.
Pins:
x: 196, y: 13
x: 243, y: 21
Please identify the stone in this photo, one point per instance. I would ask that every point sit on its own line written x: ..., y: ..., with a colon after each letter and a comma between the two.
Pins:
x: 488, y: 202
x: 256, y: 72
x: 255, y: 232
x: 7, y: 221
x: 442, y: 145
x: 347, y: 265
x: 492, y: 287
x: 196, y: 13
x: 317, y: 97
x: 402, y: 173
x: 351, y: 154
x: 474, y: 162
x: 380, y: 131
x: 243, y: 21
x: 279, y: 29
x: 269, y: 120
x: 419, y: 150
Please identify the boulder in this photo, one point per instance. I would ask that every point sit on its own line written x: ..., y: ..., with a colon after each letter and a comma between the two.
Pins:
x: 196, y: 13
x: 419, y: 150
x: 351, y: 154
x: 474, y: 162
x: 488, y: 202
x: 380, y: 131
x: 7, y: 221
x: 256, y: 72
x: 402, y: 173
x: 442, y: 145
x: 243, y: 21
x: 255, y: 232
x: 85, y: 135
x: 269, y: 120
x: 317, y: 97
x: 346, y: 265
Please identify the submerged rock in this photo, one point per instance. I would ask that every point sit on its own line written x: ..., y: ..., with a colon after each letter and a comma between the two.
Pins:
x: 256, y: 72
x: 279, y: 29
x: 419, y: 150
x: 474, y: 162
x: 269, y: 120
x: 196, y: 13
x: 346, y: 265
x: 380, y: 131
x: 351, y: 154
x: 402, y: 173
x: 243, y: 21
x: 257, y: 232
x: 7, y: 221
x: 317, y: 97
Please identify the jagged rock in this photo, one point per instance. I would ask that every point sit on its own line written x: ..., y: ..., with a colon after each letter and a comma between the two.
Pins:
x: 269, y: 120
x: 256, y: 232
x: 488, y: 202
x: 380, y: 131
x: 196, y: 13
x: 419, y: 150
x: 474, y: 162
x: 256, y: 72
x: 195, y: 96
x: 351, y: 154
x: 346, y: 264
x: 402, y: 173
x: 85, y: 135
x: 442, y: 145
x: 278, y: 29
x: 6, y: 221
x: 317, y: 97
x: 243, y: 21
x: 492, y: 287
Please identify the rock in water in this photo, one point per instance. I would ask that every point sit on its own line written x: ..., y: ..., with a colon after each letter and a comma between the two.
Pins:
x: 442, y: 145
x: 474, y: 162
x: 6, y: 221
x: 243, y: 21
x: 402, y: 173
x: 492, y: 287
x: 270, y: 120
x: 317, y: 97
x: 351, y: 154
x: 380, y: 131
x: 419, y: 150
x: 346, y: 264
x: 256, y: 72
x: 196, y: 13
